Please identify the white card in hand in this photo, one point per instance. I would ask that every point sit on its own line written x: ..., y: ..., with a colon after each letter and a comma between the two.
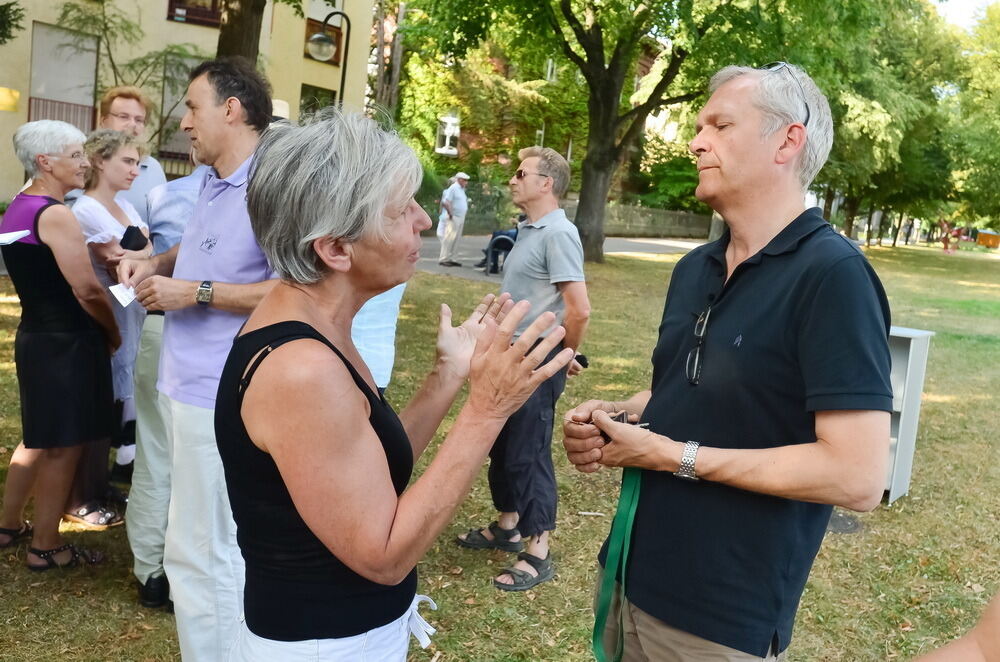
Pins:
x: 11, y: 237
x: 124, y: 295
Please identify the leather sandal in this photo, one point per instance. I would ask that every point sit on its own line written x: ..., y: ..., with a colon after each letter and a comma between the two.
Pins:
x: 475, y: 539
x: 77, y: 555
x: 24, y: 531
x: 524, y: 580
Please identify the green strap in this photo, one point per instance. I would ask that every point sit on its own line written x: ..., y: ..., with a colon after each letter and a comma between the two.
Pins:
x: 617, y: 559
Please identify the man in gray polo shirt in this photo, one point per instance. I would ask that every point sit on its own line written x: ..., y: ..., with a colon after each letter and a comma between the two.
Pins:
x: 546, y: 268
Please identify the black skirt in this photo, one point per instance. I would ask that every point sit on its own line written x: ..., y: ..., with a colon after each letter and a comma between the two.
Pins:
x: 64, y: 378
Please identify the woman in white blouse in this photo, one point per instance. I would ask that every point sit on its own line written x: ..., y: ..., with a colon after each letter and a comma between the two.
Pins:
x: 105, y: 218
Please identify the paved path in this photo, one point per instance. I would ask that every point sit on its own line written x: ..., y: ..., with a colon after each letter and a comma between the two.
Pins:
x: 470, y: 251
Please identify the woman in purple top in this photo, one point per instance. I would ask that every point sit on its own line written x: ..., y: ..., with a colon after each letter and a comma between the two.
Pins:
x: 63, y: 343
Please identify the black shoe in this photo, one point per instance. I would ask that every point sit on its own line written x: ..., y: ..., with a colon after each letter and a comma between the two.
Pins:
x: 481, y: 264
x: 122, y: 473
x: 452, y: 263
x: 155, y: 592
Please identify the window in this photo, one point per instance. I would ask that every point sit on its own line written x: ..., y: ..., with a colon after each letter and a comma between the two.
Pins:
x: 63, y: 76
x: 315, y: 98
x: 199, y: 12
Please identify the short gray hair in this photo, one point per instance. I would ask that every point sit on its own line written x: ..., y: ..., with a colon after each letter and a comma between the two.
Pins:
x: 332, y: 176
x: 43, y: 137
x: 551, y: 163
x: 781, y: 95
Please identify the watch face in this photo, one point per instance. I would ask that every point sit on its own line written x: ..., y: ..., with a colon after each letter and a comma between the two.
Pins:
x: 204, y: 294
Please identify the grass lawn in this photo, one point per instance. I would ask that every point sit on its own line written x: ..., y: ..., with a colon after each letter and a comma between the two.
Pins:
x: 917, y: 575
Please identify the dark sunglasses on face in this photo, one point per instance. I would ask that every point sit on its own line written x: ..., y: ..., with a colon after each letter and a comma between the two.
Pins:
x: 521, y: 173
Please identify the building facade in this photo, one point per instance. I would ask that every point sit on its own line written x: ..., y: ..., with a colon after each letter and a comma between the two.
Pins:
x: 53, y: 71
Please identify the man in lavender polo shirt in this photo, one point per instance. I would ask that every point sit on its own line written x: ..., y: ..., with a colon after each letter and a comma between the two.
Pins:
x: 208, y: 284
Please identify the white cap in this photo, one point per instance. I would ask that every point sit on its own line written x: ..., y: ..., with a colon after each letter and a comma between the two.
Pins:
x: 461, y: 175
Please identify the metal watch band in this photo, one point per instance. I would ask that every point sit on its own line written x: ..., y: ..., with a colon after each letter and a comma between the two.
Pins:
x: 686, y: 470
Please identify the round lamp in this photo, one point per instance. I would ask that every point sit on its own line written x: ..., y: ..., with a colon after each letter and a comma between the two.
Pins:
x: 321, y: 47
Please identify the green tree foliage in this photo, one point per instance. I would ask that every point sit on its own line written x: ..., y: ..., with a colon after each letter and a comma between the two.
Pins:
x: 667, y: 177
x: 696, y: 37
x: 11, y: 15
x: 978, y: 124
x: 501, y: 100
x: 153, y: 71
x: 885, y: 101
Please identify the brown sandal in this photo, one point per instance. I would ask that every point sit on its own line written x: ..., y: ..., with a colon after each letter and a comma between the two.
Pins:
x: 87, y: 556
x: 475, y: 539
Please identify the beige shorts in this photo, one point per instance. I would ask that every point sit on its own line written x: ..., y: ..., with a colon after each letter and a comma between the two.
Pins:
x: 648, y: 639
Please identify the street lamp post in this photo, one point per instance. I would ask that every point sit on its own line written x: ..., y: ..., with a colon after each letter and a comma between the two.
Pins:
x: 321, y: 47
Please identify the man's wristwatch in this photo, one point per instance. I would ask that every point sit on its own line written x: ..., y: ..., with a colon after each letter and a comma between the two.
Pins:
x: 686, y: 470
x: 203, y: 295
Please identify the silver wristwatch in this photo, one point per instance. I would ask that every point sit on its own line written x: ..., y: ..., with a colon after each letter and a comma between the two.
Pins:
x: 686, y: 470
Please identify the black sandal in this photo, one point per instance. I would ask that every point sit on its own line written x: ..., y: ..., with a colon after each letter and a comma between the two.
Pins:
x: 84, y: 516
x: 87, y: 556
x: 475, y: 539
x: 524, y: 580
x: 16, y: 534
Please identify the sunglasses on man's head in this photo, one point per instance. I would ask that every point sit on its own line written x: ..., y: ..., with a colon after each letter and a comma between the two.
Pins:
x: 778, y: 66
x: 521, y: 173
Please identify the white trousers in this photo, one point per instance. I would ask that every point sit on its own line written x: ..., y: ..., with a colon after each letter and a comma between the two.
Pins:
x: 452, y: 233
x: 388, y: 643
x: 200, y: 555
x: 149, y: 497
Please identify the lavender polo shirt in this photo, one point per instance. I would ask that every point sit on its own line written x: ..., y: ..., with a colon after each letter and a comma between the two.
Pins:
x: 217, y: 245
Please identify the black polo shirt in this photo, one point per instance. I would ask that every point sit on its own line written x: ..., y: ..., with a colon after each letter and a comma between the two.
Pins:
x: 802, y: 326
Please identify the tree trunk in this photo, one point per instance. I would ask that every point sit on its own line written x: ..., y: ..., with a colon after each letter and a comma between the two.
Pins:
x: 831, y: 194
x: 868, y: 226
x: 595, y: 182
x: 239, y: 31
x: 396, y: 60
x: 851, y: 204
x: 899, y: 227
x: 884, y: 222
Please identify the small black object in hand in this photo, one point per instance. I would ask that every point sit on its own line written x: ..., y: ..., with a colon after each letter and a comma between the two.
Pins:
x: 582, y: 360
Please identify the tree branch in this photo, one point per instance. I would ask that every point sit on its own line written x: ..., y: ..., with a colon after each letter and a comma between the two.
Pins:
x: 564, y: 44
x: 629, y: 39
x: 594, y: 51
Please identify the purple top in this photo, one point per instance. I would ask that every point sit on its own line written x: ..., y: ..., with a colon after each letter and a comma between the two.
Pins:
x: 218, y: 245
x: 22, y: 214
x: 47, y: 300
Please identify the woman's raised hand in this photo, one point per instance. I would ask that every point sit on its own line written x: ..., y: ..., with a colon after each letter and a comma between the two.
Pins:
x: 456, y: 344
x: 505, y: 374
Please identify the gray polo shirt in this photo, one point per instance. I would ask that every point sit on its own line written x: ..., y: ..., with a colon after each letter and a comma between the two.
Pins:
x: 547, y: 252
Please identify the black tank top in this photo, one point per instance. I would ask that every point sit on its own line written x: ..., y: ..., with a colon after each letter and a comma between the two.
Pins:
x: 295, y: 587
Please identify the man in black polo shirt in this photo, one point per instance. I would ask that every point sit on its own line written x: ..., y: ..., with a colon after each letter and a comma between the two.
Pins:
x: 769, y: 401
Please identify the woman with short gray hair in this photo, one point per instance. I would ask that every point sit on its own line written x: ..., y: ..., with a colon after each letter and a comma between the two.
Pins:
x: 317, y: 463
x: 62, y: 347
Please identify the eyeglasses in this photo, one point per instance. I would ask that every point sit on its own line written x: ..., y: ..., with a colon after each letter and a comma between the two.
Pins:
x: 778, y: 66
x: 692, y: 367
x: 521, y: 173
x: 138, y: 120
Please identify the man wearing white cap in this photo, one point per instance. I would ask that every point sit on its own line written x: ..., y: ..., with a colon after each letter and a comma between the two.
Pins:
x: 455, y: 204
